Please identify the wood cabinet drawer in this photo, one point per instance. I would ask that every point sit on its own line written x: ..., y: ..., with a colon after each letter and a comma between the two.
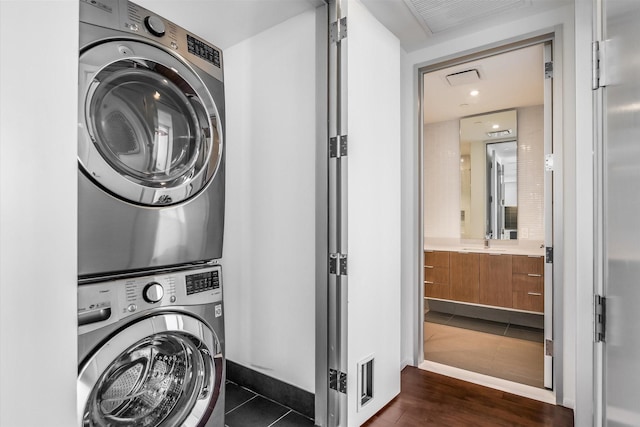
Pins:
x: 528, y: 292
x: 436, y: 258
x: 527, y: 283
x: 436, y: 274
x: 528, y: 264
x: 437, y: 290
x: 530, y: 301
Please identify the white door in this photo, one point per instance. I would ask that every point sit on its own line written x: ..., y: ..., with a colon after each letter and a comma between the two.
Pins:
x: 621, y: 208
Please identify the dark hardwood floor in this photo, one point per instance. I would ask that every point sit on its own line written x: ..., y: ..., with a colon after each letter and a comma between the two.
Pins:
x: 429, y: 399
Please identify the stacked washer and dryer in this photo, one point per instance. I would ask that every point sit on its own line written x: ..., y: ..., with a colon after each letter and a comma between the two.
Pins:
x: 150, y: 221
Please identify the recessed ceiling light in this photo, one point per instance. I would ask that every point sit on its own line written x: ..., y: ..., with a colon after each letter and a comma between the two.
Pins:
x: 496, y: 126
x: 474, y: 93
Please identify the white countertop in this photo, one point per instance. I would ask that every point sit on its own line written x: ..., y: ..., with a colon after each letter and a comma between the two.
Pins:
x: 495, y: 247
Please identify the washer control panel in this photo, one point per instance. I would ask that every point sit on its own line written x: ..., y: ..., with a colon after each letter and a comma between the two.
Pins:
x: 155, y: 25
x: 106, y: 302
x: 202, y: 282
x: 153, y: 292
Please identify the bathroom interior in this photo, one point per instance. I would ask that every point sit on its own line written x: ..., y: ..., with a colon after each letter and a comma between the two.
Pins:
x: 484, y: 205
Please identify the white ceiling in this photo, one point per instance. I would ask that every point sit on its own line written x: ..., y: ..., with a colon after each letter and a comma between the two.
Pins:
x: 475, y: 129
x: 227, y: 22
x: 417, y: 23
x: 509, y: 80
x: 420, y: 23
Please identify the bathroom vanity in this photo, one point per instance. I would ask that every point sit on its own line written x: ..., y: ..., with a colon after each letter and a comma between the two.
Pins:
x: 505, y: 278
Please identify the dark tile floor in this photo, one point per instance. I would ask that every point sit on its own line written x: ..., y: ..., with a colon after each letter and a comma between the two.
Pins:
x: 244, y: 408
x: 486, y: 326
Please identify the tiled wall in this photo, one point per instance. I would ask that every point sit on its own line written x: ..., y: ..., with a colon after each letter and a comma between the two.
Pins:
x: 442, y: 177
x: 531, y: 173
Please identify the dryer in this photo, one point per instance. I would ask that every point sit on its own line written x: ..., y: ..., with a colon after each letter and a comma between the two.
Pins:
x: 150, y: 142
x: 151, y: 350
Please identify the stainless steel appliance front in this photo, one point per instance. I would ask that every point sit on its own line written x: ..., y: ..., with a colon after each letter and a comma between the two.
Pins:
x: 150, y: 142
x: 151, y: 350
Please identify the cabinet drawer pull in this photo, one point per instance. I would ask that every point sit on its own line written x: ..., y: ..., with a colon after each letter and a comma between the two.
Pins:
x: 534, y: 256
x: 429, y: 251
x: 428, y: 283
x: 428, y: 266
x: 495, y: 254
x: 534, y: 275
x: 534, y: 294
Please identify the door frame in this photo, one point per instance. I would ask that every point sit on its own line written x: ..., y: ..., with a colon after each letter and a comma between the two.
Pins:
x: 553, y: 36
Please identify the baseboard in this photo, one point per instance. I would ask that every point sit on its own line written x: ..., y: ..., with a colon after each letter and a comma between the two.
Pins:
x: 295, y: 398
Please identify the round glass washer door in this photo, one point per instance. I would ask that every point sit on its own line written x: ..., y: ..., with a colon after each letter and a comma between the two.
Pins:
x: 149, y: 130
x: 165, y: 370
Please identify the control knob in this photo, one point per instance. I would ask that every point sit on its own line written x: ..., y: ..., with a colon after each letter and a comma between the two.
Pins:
x: 153, y: 292
x: 154, y: 25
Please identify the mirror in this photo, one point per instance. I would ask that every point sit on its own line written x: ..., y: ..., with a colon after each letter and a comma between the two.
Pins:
x: 489, y: 176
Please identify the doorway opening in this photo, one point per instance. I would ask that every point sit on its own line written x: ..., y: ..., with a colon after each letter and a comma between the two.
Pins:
x: 487, y: 215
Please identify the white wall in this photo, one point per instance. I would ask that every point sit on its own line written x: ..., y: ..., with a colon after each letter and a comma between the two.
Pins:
x: 442, y: 180
x: 561, y: 20
x: 374, y: 208
x: 38, y: 273
x: 269, y: 249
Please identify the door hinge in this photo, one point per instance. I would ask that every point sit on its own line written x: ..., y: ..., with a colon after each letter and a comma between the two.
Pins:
x: 338, y: 30
x: 598, y: 62
x: 338, y: 381
x: 600, y: 314
x: 338, y: 150
x: 548, y: 162
x: 549, y: 255
x: 548, y: 348
x: 548, y: 70
x: 338, y: 264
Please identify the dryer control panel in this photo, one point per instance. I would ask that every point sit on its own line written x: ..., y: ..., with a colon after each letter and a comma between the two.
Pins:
x: 106, y: 302
x: 128, y: 17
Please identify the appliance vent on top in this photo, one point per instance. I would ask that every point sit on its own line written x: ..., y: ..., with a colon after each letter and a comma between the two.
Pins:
x: 440, y: 15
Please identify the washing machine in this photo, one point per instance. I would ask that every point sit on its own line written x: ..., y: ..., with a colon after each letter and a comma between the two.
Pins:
x: 150, y: 142
x: 151, y: 350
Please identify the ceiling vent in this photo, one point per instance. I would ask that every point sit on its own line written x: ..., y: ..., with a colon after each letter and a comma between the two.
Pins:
x: 463, y: 77
x: 500, y: 133
x: 441, y: 15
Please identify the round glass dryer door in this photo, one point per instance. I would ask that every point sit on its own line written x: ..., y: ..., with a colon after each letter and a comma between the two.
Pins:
x: 162, y: 371
x: 149, y: 131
